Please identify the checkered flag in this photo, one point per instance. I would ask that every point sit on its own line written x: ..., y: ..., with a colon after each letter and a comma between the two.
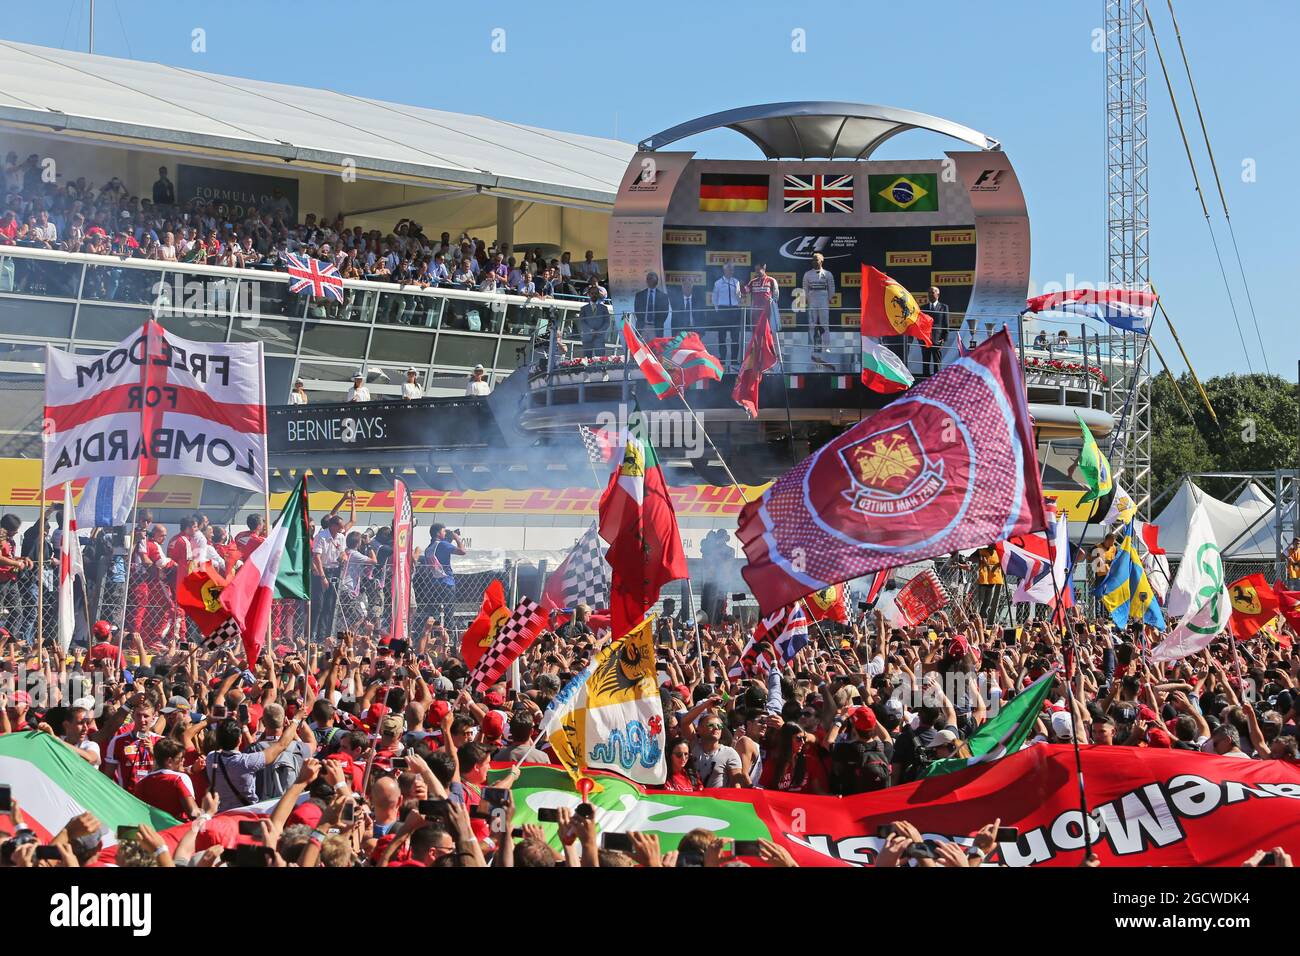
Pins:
x: 516, y: 635
x: 600, y: 445
x: 582, y: 577
x: 222, y: 634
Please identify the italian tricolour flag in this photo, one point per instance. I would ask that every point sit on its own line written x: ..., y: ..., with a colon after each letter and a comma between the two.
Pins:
x: 279, y: 560
x: 51, y: 785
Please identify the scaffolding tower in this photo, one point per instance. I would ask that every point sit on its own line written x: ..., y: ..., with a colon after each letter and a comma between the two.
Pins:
x: 1127, y: 230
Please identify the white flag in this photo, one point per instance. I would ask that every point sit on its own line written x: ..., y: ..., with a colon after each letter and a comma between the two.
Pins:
x: 106, y: 502
x: 1200, y: 574
x: 1192, y: 635
x: 156, y: 404
x: 69, y: 568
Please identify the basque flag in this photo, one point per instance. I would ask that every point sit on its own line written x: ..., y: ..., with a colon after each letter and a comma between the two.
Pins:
x: 106, y: 501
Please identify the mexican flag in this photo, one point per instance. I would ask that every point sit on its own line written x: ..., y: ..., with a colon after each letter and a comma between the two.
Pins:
x: 655, y: 374
x: 882, y: 370
x: 51, y: 785
x: 248, y: 596
x: 1004, y: 734
x: 639, y: 524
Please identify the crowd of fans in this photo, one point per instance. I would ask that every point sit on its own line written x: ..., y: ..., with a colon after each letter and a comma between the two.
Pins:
x: 76, y: 216
x: 393, y: 750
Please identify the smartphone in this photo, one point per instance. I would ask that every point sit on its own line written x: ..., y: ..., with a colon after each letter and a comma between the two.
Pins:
x: 52, y: 853
x: 125, y: 833
x: 1269, y: 859
x: 616, y: 841
x: 6, y: 798
x: 548, y: 815
x: 399, y: 763
x: 745, y: 848
x: 921, y: 851
x: 496, y: 796
x: 1007, y: 835
x: 739, y: 596
x: 243, y: 713
x: 349, y: 812
x: 182, y: 645
x: 433, y: 808
x: 585, y: 810
x: 251, y: 828
x: 218, y: 711
x: 885, y: 831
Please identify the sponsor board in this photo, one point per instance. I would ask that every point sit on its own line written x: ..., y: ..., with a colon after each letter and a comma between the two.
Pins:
x: 897, y: 259
x: 952, y: 237
x: 720, y: 257
x: 686, y: 237
x: 942, y: 279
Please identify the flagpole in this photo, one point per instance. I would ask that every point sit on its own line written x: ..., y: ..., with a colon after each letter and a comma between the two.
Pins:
x: 40, y: 570
x: 266, y: 479
x: 306, y: 507
x: 1072, y: 661
x: 785, y: 383
x: 695, y: 620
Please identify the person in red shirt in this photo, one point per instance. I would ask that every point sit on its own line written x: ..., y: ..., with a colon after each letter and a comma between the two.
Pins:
x: 130, y: 755
x: 247, y: 541
x: 169, y: 787
x: 149, y: 591
x: 681, y: 772
x: 795, y: 765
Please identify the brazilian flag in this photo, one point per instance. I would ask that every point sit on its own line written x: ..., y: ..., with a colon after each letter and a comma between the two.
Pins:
x: 1126, y: 593
x: 904, y: 192
x: 1093, y: 470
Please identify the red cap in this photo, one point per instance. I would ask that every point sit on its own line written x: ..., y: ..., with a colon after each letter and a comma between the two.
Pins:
x: 494, y: 700
x: 306, y: 812
x: 493, y: 726
x: 957, y: 647
x: 1146, y: 713
x: 437, y: 712
x: 102, y: 629
x: 864, y: 719
x: 373, y: 716
x: 1157, y: 737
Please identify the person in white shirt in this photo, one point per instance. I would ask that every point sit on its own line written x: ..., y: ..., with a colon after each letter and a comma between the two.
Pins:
x: 588, y: 268
x: 327, y: 551
x: 726, y: 304
x: 818, y: 289
x: 478, y: 383
x: 45, y: 230
x: 358, y: 392
x: 299, y: 394
x: 411, y: 388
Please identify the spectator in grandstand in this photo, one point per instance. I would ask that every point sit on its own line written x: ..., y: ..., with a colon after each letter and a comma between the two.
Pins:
x: 594, y: 320
x: 299, y: 394
x: 358, y: 392
x: 411, y: 388
x: 478, y: 382
x: 589, y: 268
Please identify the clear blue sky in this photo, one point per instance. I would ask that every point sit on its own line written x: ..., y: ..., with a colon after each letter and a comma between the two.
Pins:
x: 1022, y: 71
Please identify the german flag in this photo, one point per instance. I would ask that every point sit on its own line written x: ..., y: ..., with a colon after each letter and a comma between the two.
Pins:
x: 729, y: 192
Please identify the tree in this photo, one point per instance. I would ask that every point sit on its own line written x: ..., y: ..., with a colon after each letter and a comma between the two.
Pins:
x: 1256, y: 431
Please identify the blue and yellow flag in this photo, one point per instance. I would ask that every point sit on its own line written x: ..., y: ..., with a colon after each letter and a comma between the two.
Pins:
x: 1126, y: 593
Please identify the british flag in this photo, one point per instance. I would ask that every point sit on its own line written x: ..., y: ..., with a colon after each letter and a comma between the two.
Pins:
x: 321, y: 278
x: 817, y: 193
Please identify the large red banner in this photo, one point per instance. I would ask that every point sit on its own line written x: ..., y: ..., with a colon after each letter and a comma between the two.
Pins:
x: 1147, y: 807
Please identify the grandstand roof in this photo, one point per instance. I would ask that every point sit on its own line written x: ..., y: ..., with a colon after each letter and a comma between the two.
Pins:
x: 168, y: 108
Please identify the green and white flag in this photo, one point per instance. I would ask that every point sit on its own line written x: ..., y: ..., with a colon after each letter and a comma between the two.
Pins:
x: 1199, y: 593
x: 1004, y: 734
x: 1093, y: 469
x: 882, y: 370
x: 51, y: 785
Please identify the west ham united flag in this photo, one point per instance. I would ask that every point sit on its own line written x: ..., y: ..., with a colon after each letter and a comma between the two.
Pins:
x: 156, y: 404
x: 950, y: 465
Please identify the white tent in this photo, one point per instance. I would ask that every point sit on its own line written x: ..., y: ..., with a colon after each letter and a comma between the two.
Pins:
x: 1249, y: 518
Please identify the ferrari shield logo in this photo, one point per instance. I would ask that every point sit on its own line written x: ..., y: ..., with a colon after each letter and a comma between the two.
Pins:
x: 211, y: 592
x: 891, y: 473
x: 900, y: 307
x: 1245, y: 600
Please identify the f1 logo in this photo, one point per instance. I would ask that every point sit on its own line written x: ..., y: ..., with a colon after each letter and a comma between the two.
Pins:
x: 991, y: 177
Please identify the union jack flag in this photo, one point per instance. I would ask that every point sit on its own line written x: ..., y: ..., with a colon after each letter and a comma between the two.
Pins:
x: 818, y: 193
x: 322, y: 278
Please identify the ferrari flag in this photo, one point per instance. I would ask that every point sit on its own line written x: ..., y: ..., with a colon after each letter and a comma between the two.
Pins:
x: 950, y: 465
x: 889, y: 309
x: 156, y: 404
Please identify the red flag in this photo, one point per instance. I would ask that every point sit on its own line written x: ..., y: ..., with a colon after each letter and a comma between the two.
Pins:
x: 1289, y: 605
x: 949, y: 465
x: 919, y: 598
x: 199, y: 596
x: 1253, y: 605
x: 828, y: 604
x: 889, y: 309
x: 638, y: 522
x: 402, y: 539
x: 479, y: 636
x: 759, y: 358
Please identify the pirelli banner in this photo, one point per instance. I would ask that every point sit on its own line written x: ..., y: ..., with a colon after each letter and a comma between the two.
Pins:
x: 156, y: 404
x: 958, y: 223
